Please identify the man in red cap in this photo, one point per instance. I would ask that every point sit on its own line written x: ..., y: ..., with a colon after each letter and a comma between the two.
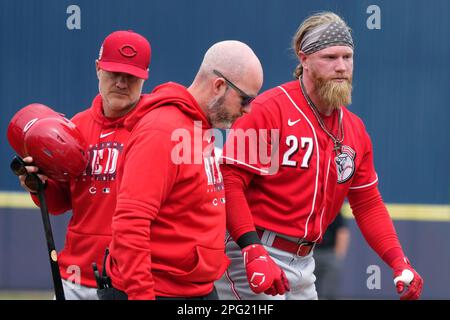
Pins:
x: 122, y: 68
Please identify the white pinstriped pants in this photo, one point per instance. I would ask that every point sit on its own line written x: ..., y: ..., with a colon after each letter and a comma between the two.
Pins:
x: 299, y: 271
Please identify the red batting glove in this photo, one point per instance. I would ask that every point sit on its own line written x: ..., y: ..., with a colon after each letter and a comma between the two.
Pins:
x: 263, y: 274
x: 407, y: 281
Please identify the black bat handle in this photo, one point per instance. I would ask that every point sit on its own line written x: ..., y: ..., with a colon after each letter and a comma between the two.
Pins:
x: 57, y: 282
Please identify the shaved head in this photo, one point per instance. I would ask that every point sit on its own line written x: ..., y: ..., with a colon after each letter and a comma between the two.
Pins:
x: 232, y: 57
x: 229, y: 75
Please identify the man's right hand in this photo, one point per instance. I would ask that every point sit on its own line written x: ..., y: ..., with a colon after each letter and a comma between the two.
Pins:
x: 263, y: 274
x: 30, y: 169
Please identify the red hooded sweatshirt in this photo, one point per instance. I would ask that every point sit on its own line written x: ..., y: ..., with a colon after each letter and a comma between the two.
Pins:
x: 169, y: 223
x: 92, y: 196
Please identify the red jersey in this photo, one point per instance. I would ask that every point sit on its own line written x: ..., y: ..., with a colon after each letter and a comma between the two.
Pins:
x: 169, y: 224
x: 298, y: 189
x: 92, y: 196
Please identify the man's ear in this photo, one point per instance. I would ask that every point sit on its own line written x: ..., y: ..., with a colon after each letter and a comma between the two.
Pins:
x: 97, y: 69
x: 219, y: 86
x: 303, y: 59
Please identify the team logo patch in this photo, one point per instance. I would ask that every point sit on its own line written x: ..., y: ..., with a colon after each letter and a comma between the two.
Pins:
x: 127, y: 50
x: 345, y: 164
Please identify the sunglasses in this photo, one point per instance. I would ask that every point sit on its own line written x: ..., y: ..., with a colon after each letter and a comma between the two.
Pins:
x: 246, y: 99
x: 31, y: 180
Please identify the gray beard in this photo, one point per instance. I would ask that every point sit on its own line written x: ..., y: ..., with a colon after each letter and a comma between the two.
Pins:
x: 218, y: 116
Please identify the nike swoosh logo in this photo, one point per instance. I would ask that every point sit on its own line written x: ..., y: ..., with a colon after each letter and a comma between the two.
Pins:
x: 291, y: 123
x: 102, y: 135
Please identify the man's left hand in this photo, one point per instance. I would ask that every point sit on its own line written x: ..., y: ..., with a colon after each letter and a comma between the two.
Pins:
x: 407, y: 281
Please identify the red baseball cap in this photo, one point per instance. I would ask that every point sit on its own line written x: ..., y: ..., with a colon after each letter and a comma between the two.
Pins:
x: 127, y: 52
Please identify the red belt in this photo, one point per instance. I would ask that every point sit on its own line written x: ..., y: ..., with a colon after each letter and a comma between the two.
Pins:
x: 301, y: 248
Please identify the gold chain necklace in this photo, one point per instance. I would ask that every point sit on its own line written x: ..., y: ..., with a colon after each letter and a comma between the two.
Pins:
x: 337, y: 141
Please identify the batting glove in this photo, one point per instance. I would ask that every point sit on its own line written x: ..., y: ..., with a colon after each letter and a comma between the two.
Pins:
x: 407, y: 281
x: 263, y: 274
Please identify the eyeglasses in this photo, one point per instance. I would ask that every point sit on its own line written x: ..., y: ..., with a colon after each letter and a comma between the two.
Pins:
x: 246, y: 98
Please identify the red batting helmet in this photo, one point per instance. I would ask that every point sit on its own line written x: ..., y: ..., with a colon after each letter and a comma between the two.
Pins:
x: 56, y: 145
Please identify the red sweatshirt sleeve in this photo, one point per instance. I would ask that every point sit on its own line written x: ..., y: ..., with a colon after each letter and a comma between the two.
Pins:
x: 57, y: 195
x: 239, y: 216
x: 148, y: 177
x: 375, y: 223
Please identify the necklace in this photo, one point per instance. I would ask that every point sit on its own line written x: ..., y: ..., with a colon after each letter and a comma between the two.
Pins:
x: 337, y: 140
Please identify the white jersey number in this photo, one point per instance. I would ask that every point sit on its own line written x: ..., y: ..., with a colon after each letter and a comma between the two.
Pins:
x: 292, y: 143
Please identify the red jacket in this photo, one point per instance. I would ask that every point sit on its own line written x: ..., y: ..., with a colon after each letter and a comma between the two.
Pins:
x: 92, y: 196
x: 169, y: 224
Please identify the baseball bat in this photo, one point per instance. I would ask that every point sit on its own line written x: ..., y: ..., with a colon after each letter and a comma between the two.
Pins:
x: 18, y: 166
x: 57, y: 282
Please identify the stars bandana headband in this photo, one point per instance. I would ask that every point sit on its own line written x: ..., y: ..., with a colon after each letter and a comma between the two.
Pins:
x: 326, y: 35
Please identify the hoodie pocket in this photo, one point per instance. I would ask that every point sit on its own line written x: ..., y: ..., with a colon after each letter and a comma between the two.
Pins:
x: 211, y: 264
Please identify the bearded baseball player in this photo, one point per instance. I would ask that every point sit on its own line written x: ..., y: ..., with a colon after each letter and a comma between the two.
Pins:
x: 320, y: 153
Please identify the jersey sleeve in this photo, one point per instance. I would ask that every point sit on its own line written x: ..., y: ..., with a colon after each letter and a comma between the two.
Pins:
x: 252, y: 143
x: 148, y: 176
x: 375, y: 224
x: 239, y: 216
x: 248, y: 151
x: 365, y: 175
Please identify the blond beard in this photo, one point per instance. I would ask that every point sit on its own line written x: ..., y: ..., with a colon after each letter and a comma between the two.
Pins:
x: 334, y: 94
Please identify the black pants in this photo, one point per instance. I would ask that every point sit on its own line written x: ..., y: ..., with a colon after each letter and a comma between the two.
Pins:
x: 115, y: 294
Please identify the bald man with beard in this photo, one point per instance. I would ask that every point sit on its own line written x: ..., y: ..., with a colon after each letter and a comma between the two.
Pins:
x: 169, y: 224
